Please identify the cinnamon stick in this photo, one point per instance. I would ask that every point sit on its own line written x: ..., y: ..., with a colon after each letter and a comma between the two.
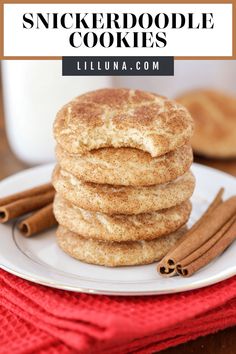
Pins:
x: 42, y: 189
x: 41, y: 220
x: 25, y: 205
x: 165, y: 266
x: 208, y: 251
x: 212, y: 224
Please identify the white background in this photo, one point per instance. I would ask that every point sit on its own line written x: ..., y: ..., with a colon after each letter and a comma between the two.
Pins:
x: 180, y: 42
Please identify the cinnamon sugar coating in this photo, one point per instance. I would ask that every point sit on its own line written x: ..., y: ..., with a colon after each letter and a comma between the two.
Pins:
x: 122, y: 118
x: 123, y: 199
x: 120, y: 227
x: 126, y: 166
x: 114, y: 254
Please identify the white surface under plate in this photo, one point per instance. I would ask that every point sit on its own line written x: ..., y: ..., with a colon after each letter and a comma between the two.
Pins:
x: 40, y: 260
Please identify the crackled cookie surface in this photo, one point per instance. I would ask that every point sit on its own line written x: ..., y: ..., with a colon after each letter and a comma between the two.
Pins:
x: 122, y: 118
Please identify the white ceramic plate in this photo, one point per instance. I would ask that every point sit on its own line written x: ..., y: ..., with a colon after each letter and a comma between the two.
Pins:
x: 40, y: 260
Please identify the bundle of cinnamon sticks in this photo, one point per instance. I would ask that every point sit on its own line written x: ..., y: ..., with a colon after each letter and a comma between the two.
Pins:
x: 207, y: 239
x: 36, y: 201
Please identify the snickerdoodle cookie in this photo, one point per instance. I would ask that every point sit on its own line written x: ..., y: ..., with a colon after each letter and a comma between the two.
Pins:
x: 122, y: 199
x: 120, y: 228
x: 114, y: 254
x: 214, y: 114
x: 122, y: 118
x: 126, y: 166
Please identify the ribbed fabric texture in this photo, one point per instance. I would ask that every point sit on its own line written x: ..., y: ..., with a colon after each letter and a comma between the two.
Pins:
x: 37, y: 319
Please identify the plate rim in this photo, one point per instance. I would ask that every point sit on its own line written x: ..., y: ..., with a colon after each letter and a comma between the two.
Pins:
x: 38, y: 280
x: 82, y: 289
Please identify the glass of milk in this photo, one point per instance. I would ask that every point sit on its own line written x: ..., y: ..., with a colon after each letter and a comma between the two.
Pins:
x: 33, y: 91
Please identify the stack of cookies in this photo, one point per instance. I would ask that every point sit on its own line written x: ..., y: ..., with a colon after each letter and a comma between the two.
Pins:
x: 123, y: 181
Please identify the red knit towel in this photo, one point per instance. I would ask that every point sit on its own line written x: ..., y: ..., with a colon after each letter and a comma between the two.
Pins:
x: 38, y: 319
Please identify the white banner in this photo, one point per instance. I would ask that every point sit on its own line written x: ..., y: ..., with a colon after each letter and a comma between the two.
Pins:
x: 117, y: 30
